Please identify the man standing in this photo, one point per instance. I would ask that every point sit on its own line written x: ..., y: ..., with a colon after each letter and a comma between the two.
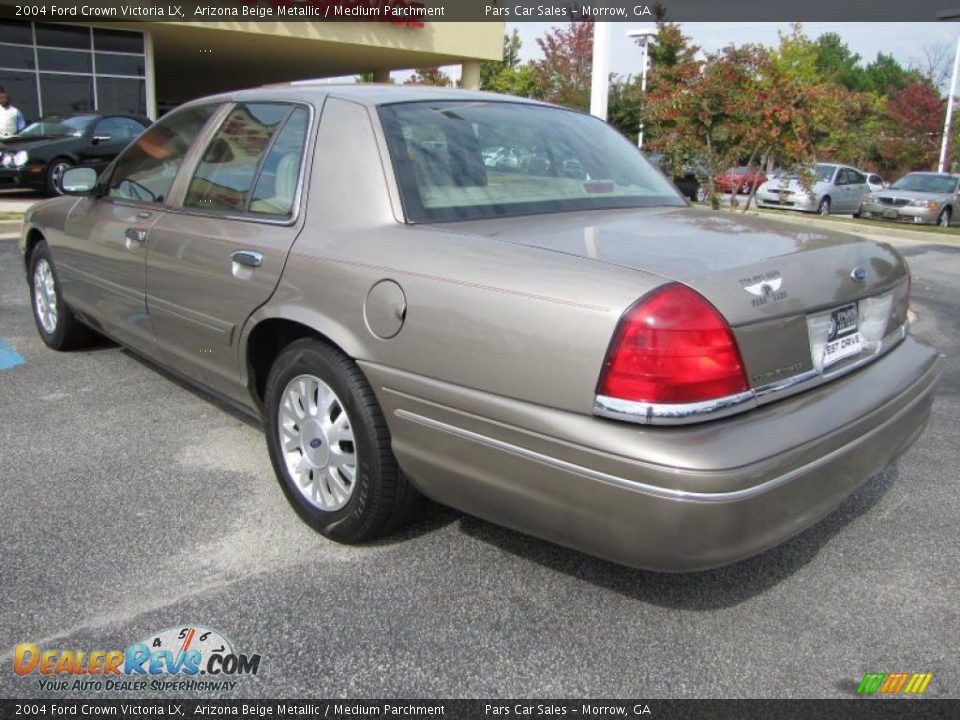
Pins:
x: 11, y: 119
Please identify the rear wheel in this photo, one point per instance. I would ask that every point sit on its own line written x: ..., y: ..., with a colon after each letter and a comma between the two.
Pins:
x: 701, y: 194
x: 943, y: 219
x: 56, y: 323
x: 55, y: 171
x: 824, y: 207
x: 330, y: 445
x: 745, y: 188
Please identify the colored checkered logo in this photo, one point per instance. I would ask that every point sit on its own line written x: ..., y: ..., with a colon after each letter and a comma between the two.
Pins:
x: 894, y: 683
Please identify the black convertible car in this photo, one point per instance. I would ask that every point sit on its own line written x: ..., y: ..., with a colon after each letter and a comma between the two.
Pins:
x: 37, y: 157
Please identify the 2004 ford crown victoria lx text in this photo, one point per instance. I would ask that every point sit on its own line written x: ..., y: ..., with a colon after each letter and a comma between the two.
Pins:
x: 497, y: 303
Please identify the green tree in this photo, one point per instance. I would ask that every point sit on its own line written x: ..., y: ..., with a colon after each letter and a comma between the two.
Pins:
x: 836, y: 63
x: 885, y: 74
x: 489, y: 69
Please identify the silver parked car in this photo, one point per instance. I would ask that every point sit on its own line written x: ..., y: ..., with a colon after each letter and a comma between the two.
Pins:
x: 837, y: 189
x: 918, y: 197
x: 585, y: 358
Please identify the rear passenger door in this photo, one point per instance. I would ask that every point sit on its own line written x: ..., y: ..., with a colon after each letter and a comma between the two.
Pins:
x: 218, y: 254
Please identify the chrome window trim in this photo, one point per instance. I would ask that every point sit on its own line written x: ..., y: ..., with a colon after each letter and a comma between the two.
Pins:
x: 686, y: 413
x: 178, y: 208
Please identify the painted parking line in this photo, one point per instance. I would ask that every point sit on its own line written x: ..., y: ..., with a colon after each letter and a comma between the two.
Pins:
x: 9, y: 357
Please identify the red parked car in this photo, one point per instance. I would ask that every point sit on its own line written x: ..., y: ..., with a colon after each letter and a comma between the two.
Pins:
x: 740, y: 179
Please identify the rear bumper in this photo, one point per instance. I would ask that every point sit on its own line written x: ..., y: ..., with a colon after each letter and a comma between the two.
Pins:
x: 673, y: 499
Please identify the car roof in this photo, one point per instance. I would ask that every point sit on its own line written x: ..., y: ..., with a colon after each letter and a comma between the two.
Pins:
x: 933, y: 174
x: 370, y: 94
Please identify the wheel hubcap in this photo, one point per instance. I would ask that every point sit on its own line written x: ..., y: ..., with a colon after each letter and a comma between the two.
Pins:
x: 45, y: 296
x: 317, y: 443
x: 56, y: 174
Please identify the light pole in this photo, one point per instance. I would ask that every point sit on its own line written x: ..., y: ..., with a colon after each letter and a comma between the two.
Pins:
x: 642, y: 36
x: 600, y: 74
x: 945, y: 143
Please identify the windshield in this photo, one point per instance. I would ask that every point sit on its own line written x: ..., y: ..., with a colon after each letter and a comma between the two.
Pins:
x: 824, y: 173
x: 464, y: 160
x: 74, y: 126
x: 919, y: 182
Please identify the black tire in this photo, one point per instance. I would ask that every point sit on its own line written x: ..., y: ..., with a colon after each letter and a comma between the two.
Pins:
x: 67, y: 333
x: 701, y: 194
x: 943, y: 219
x: 55, y: 170
x: 824, y: 207
x: 745, y: 188
x: 382, y: 497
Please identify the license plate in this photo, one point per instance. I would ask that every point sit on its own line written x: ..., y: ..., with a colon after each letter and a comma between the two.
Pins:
x: 890, y: 214
x: 844, y: 337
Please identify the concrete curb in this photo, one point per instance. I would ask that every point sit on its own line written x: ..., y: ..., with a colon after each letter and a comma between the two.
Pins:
x: 853, y: 227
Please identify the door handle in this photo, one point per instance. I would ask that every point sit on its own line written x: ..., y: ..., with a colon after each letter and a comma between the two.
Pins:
x: 249, y: 258
x: 137, y: 235
x: 143, y: 214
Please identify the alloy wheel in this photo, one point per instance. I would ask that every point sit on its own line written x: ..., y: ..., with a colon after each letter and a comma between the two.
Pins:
x: 45, y: 296
x: 317, y: 442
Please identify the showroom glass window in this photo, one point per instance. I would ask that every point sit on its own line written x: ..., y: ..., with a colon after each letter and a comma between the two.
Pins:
x: 145, y: 171
x: 243, y: 151
x: 60, y: 69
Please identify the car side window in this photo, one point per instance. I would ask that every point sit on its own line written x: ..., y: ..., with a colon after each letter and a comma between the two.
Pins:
x: 118, y: 128
x: 279, y: 177
x: 858, y: 177
x: 226, y: 174
x: 145, y: 171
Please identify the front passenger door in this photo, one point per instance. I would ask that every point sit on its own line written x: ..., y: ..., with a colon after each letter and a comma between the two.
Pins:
x: 105, y: 247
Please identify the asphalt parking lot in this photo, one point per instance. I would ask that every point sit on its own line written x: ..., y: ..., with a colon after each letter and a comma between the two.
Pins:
x: 131, y: 503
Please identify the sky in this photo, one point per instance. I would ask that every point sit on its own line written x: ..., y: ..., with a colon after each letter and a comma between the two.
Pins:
x: 905, y: 41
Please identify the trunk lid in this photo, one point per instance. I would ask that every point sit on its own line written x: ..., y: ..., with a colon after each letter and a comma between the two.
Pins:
x: 766, y: 277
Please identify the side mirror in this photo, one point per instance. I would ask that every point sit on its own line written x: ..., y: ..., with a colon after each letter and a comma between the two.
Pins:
x: 78, y: 181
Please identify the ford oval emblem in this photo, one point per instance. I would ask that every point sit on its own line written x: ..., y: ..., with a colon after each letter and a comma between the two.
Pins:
x: 858, y: 274
x: 315, y: 443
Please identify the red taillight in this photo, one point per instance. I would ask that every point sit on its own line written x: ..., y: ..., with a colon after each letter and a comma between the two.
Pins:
x: 673, y: 347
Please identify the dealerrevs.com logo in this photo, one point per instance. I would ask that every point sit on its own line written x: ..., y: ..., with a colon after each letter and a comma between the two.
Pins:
x: 189, y: 657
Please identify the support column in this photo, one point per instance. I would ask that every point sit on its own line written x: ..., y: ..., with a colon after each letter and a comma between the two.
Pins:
x: 150, y: 71
x: 470, y: 75
x: 381, y: 76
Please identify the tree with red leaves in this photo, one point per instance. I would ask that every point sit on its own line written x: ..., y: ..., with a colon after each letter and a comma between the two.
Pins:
x: 915, y: 126
x: 563, y: 74
x: 429, y: 76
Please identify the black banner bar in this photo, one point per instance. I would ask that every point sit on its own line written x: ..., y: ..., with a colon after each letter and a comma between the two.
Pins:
x: 854, y: 709
x: 417, y: 12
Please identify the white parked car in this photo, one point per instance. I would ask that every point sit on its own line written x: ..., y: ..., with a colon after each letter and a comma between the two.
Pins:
x: 836, y: 189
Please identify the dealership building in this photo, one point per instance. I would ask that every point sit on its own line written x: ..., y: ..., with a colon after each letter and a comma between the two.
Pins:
x: 149, y: 67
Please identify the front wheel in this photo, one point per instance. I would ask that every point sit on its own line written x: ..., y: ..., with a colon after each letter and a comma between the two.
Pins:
x: 55, y: 172
x: 330, y: 445
x: 701, y: 194
x: 58, y: 327
x: 824, y: 207
x: 943, y: 219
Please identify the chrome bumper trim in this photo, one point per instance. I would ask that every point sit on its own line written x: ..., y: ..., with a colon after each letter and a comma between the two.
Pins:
x: 686, y: 413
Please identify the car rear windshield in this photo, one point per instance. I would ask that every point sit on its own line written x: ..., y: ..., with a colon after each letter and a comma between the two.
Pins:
x: 926, y: 183
x: 460, y: 160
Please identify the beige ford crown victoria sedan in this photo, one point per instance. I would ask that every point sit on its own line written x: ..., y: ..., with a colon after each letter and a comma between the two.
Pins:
x: 558, y: 344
